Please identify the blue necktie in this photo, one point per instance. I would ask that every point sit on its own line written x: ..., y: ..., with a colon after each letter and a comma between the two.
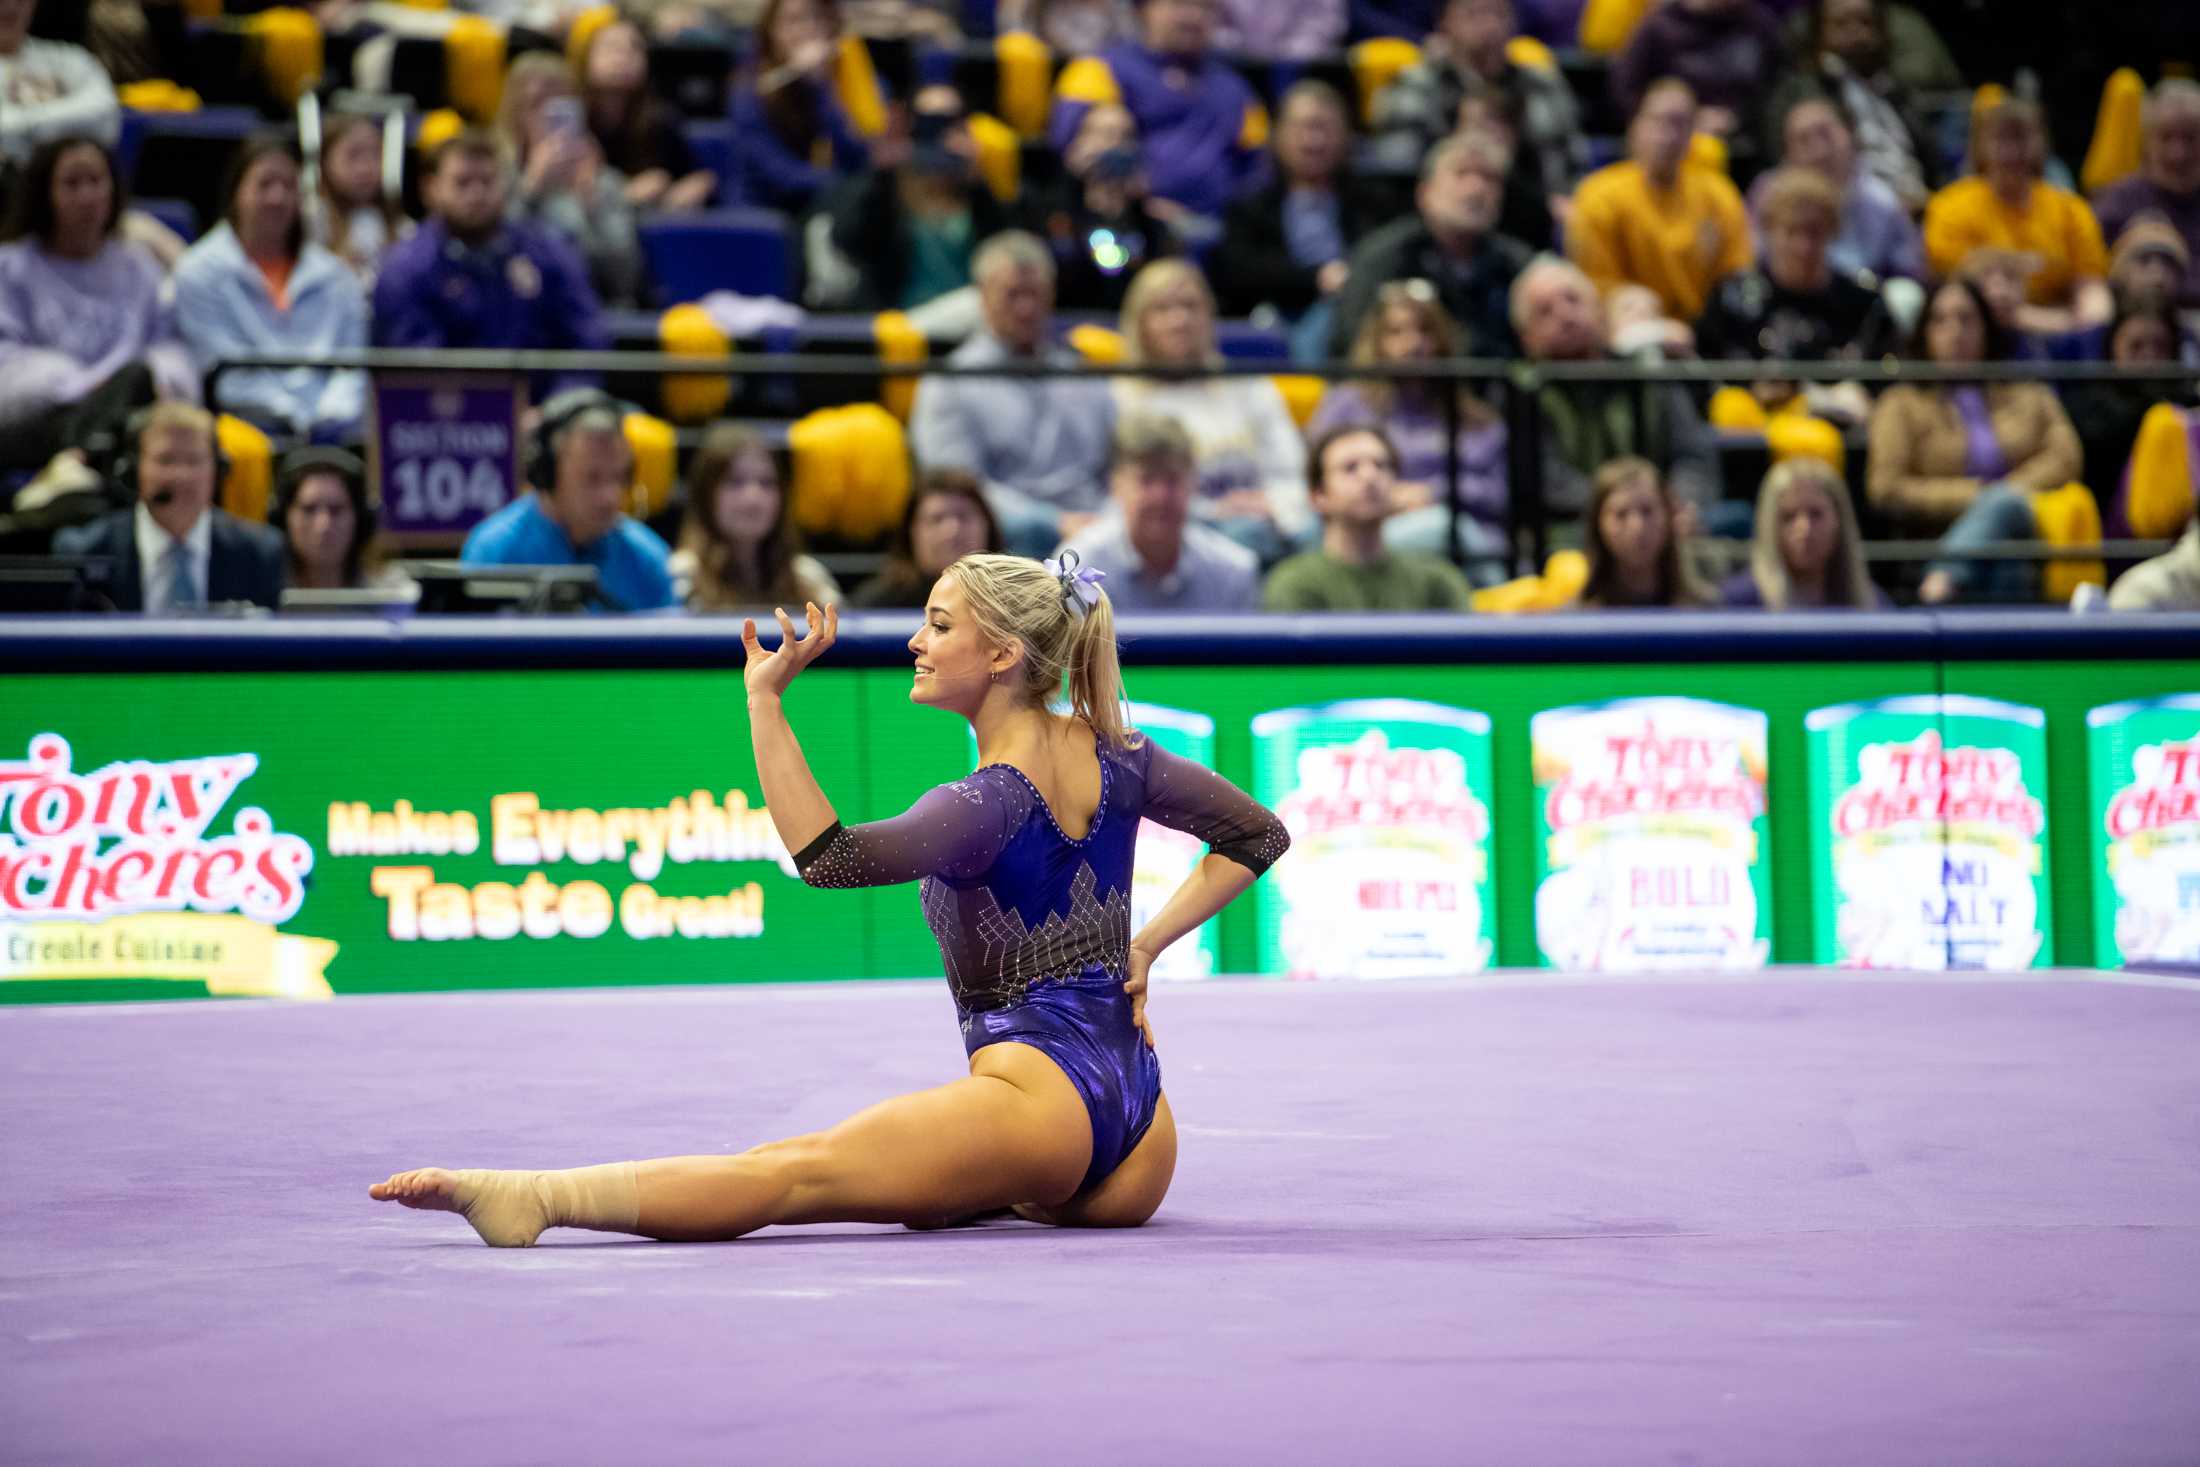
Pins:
x: 183, y: 586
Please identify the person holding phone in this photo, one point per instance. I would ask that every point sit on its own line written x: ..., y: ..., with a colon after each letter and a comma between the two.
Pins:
x: 914, y: 221
x: 564, y: 182
x: 1100, y: 219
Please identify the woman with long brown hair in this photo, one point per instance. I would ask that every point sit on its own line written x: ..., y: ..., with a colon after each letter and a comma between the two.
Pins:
x: 353, y: 213
x: 793, y: 138
x: 946, y: 519
x: 1634, y: 534
x: 738, y: 545
x: 638, y: 131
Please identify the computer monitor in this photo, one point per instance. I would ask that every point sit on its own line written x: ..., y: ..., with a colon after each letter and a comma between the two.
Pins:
x: 57, y: 583
x: 351, y: 600
x: 448, y: 586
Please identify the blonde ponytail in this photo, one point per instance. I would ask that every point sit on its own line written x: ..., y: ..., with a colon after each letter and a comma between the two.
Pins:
x: 1064, y: 638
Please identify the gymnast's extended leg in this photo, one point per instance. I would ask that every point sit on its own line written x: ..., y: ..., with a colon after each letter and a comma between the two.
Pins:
x: 1014, y: 1131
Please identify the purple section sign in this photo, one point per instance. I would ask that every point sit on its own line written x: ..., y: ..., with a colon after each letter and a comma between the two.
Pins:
x: 446, y: 449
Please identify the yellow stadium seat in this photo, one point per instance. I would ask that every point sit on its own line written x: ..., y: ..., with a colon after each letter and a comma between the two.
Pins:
x: 689, y: 331
x: 436, y: 129
x: 2068, y: 516
x: 473, y: 68
x: 898, y: 340
x: 2114, y: 153
x: 1527, y: 51
x: 1087, y: 79
x: 1000, y: 155
x: 1608, y: 25
x: 656, y: 461
x: 1026, y: 70
x: 1301, y: 395
x: 1736, y: 410
x: 158, y: 95
x: 583, y: 30
x: 286, y: 43
x: 1253, y: 128
x: 855, y: 81
x: 1564, y: 574
x: 851, y: 471
x: 1799, y: 435
x: 1097, y: 344
x: 245, y: 490
x: 1375, y: 65
x: 2160, y: 500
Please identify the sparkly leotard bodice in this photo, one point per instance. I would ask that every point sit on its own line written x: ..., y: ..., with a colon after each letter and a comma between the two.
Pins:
x: 1012, y: 900
x: 1034, y: 927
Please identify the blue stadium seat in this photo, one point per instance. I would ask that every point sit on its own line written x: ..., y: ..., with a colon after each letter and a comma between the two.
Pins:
x: 418, y: 70
x: 743, y: 250
x: 186, y: 155
x: 712, y: 143
x: 1242, y: 341
x: 692, y: 75
x: 177, y: 214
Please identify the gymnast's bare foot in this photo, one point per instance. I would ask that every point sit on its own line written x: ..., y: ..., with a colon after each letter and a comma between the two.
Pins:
x: 502, y: 1206
x: 430, y: 1187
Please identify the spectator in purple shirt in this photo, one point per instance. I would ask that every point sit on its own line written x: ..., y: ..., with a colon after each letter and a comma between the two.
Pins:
x: 1282, y: 30
x: 2168, y: 180
x: 85, y: 336
x: 1728, y: 51
x: 1203, y: 128
x: 792, y: 137
x: 469, y: 277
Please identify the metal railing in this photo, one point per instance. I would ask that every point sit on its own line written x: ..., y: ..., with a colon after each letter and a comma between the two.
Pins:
x: 1517, y: 384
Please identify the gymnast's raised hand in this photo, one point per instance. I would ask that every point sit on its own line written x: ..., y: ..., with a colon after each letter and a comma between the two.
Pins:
x: 769, y: 673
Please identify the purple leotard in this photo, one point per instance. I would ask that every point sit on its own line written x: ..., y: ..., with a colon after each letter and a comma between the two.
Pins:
x: 1035, y: 928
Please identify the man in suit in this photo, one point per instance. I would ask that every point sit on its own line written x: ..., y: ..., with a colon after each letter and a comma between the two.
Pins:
x: 173, y: 550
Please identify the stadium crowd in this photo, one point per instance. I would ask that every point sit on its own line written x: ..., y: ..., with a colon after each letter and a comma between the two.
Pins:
x: 1150, y: 189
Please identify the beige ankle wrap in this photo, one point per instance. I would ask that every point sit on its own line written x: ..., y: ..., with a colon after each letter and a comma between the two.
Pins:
x: 511, y: 1209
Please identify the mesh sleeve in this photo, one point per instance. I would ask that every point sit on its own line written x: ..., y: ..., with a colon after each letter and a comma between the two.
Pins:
x: 1189, y: 797
x: 954, y: 830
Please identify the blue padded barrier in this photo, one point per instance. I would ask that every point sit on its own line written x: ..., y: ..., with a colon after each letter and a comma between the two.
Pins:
x: 879, y: 639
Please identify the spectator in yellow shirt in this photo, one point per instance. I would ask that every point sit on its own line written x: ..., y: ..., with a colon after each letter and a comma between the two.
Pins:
x: 1659, y: 219
x: 2008, y: 205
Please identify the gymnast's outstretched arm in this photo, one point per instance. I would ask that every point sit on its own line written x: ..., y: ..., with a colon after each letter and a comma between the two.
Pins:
x: 799, y: 810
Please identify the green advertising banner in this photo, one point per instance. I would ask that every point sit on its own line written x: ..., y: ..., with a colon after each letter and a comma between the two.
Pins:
x: 2144, y: 768
x: 1929, y: 834
x: 1651, y: 850
x: 1389, y: 872
x: 305, y: 833
x: 280, y: 834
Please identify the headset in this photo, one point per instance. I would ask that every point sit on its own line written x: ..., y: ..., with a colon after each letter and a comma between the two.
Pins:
x: 539, y: 467
x: 301, y: 464
x: 124, y: 473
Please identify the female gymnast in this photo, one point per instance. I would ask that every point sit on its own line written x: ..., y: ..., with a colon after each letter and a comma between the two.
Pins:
x: 1026, y: 874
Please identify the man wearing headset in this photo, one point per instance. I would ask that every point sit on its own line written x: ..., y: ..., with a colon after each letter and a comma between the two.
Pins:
x: 174, y: 551
x: 581, y: 469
